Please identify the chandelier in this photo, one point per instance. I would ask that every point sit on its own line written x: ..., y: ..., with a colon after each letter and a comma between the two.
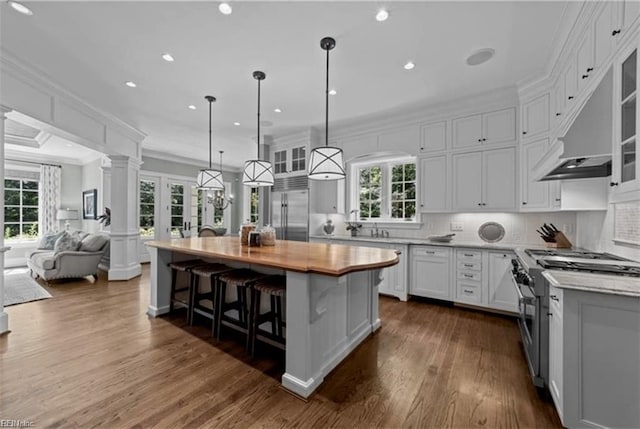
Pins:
x: 218, y: 199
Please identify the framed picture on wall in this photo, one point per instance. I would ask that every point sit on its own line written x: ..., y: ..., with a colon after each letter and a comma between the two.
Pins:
x: 89, y: 204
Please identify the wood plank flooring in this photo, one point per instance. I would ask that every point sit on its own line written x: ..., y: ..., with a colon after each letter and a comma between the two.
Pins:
x: 90, y: 357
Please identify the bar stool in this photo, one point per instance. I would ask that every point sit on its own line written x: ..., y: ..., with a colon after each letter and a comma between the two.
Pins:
x: 182, y: 296
x: 242, y: 279
x: 200, y: 301
x: 275, y: 288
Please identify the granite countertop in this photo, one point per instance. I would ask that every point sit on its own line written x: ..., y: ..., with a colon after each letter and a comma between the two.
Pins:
x: 427, y: 242
x: 600, y: 283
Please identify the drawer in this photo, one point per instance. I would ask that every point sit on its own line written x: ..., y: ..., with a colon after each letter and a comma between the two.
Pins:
x: 469, y: 292
x: 467, y: 255
x: 469, y: 265
x: 470, y: 276
x: 430, y: 251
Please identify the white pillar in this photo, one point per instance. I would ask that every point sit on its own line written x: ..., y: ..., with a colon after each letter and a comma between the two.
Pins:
x: 125, y: 232
x: 4, y: 317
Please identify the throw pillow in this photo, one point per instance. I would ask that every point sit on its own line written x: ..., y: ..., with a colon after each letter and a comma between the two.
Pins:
x: 48, y: 240
x: 79, y: 235
x: 64, y: 243
x: 93, y: 243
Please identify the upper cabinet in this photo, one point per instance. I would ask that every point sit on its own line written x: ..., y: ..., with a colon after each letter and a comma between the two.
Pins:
x: 486, y: 128
x: 535, y: 116
x: 585, y: 60
x: 603, y: 33
x: 404, y: 139
x: 534, y: 195
x: 570, y: 80
x: 433, y: 137
x: 625, y: 177
x: 434, y: 184
x: 291, y: 160
x: 485, y: 180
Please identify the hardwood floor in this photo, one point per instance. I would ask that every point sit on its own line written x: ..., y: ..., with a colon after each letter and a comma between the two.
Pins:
x: 91, y: 357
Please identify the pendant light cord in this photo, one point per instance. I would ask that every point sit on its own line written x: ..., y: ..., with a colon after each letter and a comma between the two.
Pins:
x: 210, y: 134
x: 258, y: 136
x: 326, y: 110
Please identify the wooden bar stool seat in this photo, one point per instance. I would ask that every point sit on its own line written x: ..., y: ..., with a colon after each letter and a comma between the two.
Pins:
x: 242, y: 279
x: 206, y: 304
x: 182, y: 295
x: 275, y: 288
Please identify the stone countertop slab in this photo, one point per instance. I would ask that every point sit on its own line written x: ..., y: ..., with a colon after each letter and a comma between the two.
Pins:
x: 599, y: 283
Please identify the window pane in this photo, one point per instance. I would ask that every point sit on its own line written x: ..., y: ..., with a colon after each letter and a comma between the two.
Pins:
x: 12, y: 214
x: 146, y: 221
x: 146, y: 209
x: 294, y: 165
x: 177, y: 221
x: 30, y: 230
x: 410, y: 191
x: 629, y: 75
x: 376, y: 175
x: 410, y: 209
x: 364, y: 176
x: 176, y: 200
x: 30, y: 184
x: 11, y: 184
x: 176, y: 210
x: 396, y: 210
x: 29, y: 198
x: 396, y: 173
x: 375, y: 193
x: 409, y: 172
x: 29, y: 214
x: 364, y: 210
x: 375, y: 209
x: 11, y: 198
x: 397, y: 191
x: 628, y: 119
x: 11, y: 231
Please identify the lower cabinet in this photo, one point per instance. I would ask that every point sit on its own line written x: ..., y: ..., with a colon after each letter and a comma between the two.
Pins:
x: 431, y: 272
x: 502, y: 293
x: 594, y: 358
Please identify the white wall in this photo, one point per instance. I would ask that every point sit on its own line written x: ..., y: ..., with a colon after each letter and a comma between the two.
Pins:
x: 595, y: 232
x: 520, y: 228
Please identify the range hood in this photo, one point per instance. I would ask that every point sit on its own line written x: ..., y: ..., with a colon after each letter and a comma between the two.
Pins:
x: 585, y: 150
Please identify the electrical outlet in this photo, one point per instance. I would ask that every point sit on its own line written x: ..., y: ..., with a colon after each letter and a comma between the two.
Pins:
x: 456, y: 226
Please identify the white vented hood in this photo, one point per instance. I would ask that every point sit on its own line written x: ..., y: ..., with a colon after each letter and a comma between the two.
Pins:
x: 585, y: 150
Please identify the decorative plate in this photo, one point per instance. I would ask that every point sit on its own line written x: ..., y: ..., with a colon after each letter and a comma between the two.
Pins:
x: 491, y: 232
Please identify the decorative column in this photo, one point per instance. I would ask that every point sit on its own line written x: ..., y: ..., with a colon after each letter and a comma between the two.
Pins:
x: 4, y: 317
x: 125, y: 233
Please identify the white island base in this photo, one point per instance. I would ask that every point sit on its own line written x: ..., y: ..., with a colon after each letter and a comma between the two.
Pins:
x: 327, y: 316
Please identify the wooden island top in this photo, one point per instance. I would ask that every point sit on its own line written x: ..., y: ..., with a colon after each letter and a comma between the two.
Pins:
x: 321, y: 258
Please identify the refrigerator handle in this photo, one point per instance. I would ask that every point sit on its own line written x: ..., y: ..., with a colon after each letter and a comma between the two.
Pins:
x: 286, y: 216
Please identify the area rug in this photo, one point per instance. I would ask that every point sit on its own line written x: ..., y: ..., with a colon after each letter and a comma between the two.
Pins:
x: 21, y: 288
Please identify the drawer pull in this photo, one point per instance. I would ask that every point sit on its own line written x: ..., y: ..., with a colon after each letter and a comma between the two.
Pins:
x: 470, y: 255
x: 429, y: 252
x: 467, y: 291
x: 468, y: 265
x: 554, y: 297
x: 469, y: 276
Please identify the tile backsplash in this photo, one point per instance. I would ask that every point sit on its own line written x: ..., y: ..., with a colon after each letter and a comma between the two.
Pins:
x: 519, y: 227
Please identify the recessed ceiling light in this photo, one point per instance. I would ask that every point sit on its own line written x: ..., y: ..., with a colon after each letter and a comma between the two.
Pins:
x: 168, y: 57
x: 277, y: 110
x: 382, y: 15
x: 19, y: 7
x: 225, y: 8
x: 333, y: 92
x: 480, y: 56
x: 130, y: 84
x: 409, y: 65
x: 237, y: 124
x: 191, y: 106
x: 69, y: 145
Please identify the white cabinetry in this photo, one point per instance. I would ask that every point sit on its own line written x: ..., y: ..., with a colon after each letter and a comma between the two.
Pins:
x: 433, y: 137
x: 431, y: 272
x: 585, y: 60
x: 434, y: 184
x: 502, y: 294
x: 485, y: 181
x: 404, y: 139
x: 534, y: 195
x: 486, y: 128
x: 570, y: 81
x: 327, y: 196
x: 289, y: 160
x: 603, y: 27
x: 535, y: 116
x: 469, y: 276
x: 594, y: 351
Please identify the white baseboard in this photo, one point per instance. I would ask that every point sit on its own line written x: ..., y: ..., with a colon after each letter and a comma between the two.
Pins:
x: 301, y: 387
x: 125, y: 273
x: 155, y: 311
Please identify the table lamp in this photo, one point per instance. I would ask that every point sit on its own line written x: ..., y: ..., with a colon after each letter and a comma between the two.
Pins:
x: 67, y: 215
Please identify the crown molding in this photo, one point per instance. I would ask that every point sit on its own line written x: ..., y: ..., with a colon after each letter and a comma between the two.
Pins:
x: 47, y: 159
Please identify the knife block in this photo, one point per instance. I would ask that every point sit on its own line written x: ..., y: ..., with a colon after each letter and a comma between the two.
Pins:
x: 562, y: 242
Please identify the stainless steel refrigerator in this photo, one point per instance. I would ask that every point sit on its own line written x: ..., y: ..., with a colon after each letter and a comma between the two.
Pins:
x: 290, y: 214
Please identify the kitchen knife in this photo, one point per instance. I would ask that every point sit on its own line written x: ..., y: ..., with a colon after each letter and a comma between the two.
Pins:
x: 554, y: 227
x: 550, y: 232
x: 544, y: 237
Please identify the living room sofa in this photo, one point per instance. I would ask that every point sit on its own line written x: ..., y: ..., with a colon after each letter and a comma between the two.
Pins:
x: 83, y: 262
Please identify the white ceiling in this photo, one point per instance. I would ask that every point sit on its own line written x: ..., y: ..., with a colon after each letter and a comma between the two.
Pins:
x: 92, y: 48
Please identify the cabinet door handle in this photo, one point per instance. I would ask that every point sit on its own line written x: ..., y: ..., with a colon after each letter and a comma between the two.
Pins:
x: 558, y: 114
x: 558, y: 199
x: 549, y: 314
x: 584, y: 76
x: 480, y: 204
x: 612, y: 184
x: 589, y: 69
x: 469, y: 255
x: 468, y: 265
x: 467, y: 291
x: 479, y: 140
x: 429, y: 252
x: 570, y: 97
x: 469, y: 276
x: 554, y: 297
x: 615, y: 32
x: 484, y: 140
x: 524, y: 203
x: 524, y: 133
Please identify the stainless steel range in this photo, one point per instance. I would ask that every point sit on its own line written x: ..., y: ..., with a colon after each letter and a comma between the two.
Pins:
x: 533, y: 295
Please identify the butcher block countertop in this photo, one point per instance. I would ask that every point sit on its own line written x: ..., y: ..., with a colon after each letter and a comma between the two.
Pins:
x: 320, y: 258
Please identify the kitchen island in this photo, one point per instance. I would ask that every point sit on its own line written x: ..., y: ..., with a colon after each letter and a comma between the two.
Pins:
x: 331, y: 302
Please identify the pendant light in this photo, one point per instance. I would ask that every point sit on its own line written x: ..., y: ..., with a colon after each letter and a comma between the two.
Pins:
x: 326, y: 162
x: 218, y: 199
x: 209, y: 179
x: 256, y: 171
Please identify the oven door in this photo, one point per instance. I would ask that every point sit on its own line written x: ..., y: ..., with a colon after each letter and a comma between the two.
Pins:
x: 528, y: 321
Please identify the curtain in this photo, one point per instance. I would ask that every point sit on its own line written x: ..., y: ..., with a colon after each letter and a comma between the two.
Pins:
x: 49, y: 198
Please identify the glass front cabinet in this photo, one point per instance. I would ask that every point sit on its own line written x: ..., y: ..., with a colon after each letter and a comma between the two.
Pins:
x: 625, y: 178
x: 290, y: 160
